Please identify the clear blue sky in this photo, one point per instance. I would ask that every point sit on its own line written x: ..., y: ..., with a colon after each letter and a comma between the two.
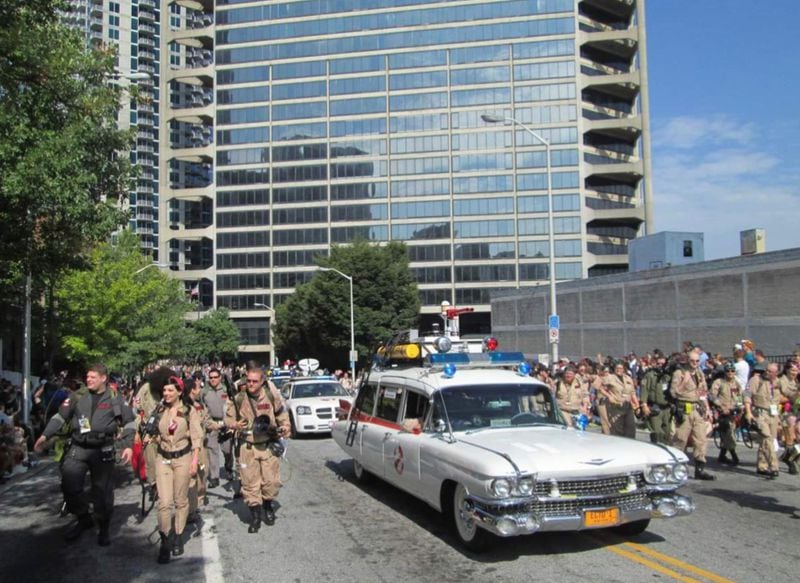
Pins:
x: 725, y: 115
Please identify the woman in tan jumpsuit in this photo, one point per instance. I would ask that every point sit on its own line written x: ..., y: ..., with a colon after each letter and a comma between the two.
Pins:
x: 179, y: 439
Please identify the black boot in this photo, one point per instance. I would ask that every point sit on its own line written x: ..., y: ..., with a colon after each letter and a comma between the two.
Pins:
x: 164, y: 549
x: 177, y: 545
x: 255, y: 519
x: 85, y: 522
x: 734, y: 458
x: 723, y: 459
x: 102, y: 535
x: 269, y: 513
x: 700, y: 472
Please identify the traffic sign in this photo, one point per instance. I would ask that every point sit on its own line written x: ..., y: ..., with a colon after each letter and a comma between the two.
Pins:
x: 553, y: 322
x: 553, y: 335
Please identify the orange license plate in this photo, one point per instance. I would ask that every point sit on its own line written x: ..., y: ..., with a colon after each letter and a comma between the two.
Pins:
x: 598, y: 518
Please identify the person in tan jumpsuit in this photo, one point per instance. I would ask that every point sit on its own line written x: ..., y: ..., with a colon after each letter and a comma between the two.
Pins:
x: 179, y: 440
x: 571, y: 396
x: 762, y: 403
x: 255, y: 409
x: 198, y: 482
x: 146, y: 401
x: 726, y: 395
x: 692, y: 413
x: 621, y: 401
x: 600, y: 399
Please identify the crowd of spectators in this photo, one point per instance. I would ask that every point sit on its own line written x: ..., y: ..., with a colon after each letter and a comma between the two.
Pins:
x: 600, y: 394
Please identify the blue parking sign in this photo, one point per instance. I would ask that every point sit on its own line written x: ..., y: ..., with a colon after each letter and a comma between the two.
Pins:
x: 553, y: 322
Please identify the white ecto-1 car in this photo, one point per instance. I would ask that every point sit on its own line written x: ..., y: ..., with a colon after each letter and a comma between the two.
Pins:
x: 477, y: 438
x: 313, y: 402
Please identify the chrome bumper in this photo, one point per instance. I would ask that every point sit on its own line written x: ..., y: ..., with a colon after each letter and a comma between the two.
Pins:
x: 511, y: 522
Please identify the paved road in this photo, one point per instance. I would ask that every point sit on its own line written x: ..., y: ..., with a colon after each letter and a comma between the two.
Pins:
x: 331, y: 529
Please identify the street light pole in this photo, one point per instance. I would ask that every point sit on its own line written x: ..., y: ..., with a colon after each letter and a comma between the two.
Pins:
x: 551, y: 236
x: 141, y: 269
x: 273, y: 356
x: 353, y: 355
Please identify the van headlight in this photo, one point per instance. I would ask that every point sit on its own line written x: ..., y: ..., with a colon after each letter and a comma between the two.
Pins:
x: 501, y: 488
x: 525, y: 486
x: 303, y: 410
x: 666, y: 473
x: 680, y: 472
x: 656, y: 474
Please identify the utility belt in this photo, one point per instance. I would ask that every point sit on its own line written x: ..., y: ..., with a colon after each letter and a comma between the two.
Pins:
x: 93, y: 440
x: 171, y: 455
x: 261, y: 446
x: 771, y: 411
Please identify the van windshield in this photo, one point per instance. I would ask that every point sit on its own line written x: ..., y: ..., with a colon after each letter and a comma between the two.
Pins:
x: 488, y: 406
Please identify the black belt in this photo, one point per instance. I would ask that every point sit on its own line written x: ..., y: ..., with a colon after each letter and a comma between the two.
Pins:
x: 249, y: 445
x: 94, y: 444
x: 171, y: 455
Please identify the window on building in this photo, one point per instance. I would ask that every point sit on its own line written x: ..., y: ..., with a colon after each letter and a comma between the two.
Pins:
x: 688, y: 251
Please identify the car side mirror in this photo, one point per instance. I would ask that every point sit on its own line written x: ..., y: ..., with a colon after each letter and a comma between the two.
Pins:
x: 439, y: 426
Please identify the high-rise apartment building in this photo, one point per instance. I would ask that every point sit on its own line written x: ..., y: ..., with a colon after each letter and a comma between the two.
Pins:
x: 298, y: 125
x: 133, y: 27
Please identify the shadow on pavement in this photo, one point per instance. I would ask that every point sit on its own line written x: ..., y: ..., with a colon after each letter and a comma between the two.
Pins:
x: 751, y: 500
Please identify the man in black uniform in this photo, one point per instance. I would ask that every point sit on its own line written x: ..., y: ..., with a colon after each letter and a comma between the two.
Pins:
x: 94, y: 418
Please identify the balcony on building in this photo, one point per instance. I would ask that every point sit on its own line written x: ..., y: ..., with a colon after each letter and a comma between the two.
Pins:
x: 604, y: 15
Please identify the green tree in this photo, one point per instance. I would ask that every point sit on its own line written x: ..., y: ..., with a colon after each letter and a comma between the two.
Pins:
x: 61, y: 172
x: 315, y: 321
x: 214, y: 337
x: 63, y: 162
x: 113, y: 314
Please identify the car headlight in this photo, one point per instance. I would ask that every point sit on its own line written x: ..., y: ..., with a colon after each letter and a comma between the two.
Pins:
x: 303, y: 410
x: 501, y: 488
x: 680, y: 473
x: 525, y: 486
x: 656, y: 474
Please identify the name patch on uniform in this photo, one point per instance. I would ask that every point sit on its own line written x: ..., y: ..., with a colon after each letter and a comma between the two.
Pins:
x: 262, y: 406
x: 104, y: 406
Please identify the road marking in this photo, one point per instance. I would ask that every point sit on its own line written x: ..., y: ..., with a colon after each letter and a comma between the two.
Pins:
x: 653, y: 565
x: 678, y: 563
x: 212, y: 566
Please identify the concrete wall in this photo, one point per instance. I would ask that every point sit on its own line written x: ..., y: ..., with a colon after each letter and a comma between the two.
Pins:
x: 714, y: 303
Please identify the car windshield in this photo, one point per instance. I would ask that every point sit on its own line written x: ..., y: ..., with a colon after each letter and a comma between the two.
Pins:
x: 487, y: 406
x: 307, y: 390
x: 279, y: 381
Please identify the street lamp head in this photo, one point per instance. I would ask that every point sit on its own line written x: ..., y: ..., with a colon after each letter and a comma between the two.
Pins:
x: 160, y: 265
x: 260, y: 305
x: 334, y: 270
x: 493, y: 118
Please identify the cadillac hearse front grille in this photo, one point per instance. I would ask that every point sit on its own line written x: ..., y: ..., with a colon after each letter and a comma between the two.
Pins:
x: 605, y: 486
x: 571, y: 507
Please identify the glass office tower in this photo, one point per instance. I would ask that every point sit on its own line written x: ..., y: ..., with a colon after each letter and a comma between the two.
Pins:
x: 133, y: 28
x: 345, y: 119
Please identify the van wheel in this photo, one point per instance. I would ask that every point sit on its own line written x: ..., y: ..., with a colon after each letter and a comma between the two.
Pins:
x: 362, y: 475
x: 633, y: 528
x: 468, y: 532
